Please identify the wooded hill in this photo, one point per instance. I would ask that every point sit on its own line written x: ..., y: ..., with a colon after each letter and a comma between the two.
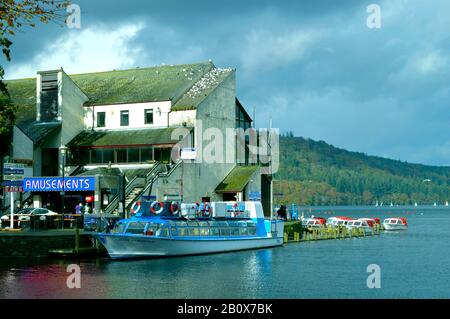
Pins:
x: 316, y: 173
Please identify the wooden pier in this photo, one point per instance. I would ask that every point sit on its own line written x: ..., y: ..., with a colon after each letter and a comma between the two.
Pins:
x: 294, y: 232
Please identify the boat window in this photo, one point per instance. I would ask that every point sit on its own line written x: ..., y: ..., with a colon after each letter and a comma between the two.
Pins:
x: 153, y: 229
x: 180, y: 224
x: 164, y: 231
x: 251, y: 230
x: 243, y: 231
x: 135, y: 228
x: 194, y: 231
x: 392, y: 221
x: 357, y: 223
x: 182, y: 231
x: 192, y: 223
x: 214, y: 231
x: 399, y: 222
x: 234, y: 231
x: 224, y: 231
x: 204, y: 231
x: 118, y: 229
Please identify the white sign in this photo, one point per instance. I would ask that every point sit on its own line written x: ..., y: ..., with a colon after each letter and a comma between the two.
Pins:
x: 188, y: 153
x: 13, y: 177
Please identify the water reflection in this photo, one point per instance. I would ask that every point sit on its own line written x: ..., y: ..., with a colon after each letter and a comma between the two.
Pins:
x: 322, y: 269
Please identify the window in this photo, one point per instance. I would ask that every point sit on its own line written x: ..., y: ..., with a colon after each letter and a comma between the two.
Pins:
x: 121, y: 155
x: 148, y: 116
x: 124, y: 118
x: 101, y: 119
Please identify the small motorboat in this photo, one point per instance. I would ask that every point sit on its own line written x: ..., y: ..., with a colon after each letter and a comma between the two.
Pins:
x: 395, y: 223
x: 338, y: 221
x: 313, y: 222
x: 358, y: 223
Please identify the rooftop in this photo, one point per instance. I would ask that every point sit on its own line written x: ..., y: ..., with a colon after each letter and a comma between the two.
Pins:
x: 124, y: 137
x: 186, y: 85
x: 237, y: 179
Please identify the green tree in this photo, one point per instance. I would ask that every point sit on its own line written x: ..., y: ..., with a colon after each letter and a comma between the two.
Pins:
x: 15, y: 15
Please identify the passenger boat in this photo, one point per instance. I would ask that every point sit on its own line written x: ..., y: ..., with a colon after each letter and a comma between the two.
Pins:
x: 171, y: 229
x: 395, y: 223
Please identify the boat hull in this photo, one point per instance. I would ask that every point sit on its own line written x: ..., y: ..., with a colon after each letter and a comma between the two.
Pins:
x: 394, y: 227
x: 128, y: 247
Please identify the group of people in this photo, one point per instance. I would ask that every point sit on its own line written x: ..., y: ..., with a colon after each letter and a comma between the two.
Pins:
x: 82, y: 209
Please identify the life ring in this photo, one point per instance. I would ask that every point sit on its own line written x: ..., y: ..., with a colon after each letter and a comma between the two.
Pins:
x: 159, y: 211
x: 133, y: 210
x: 174, y: 207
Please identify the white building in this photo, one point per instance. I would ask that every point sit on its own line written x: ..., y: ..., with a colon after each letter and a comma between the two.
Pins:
x: 117, y: 127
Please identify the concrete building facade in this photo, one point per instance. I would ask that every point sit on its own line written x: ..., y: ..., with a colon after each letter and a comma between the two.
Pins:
x: 127, y: 129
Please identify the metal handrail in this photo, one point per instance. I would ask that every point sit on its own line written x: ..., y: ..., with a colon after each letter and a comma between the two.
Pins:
x: 128, y: 189
x: 156, y: 175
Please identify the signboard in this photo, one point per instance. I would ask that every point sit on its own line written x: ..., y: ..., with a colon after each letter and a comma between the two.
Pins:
x: 188, y: 153
x: 12, y: 189
x: 254, y: 196
x: 16, y: 172
x: 11, y: 171
x: 14, y: 165
x: 48, y: 184
x: 13, y: 183
x: 13, y: 177
x: 89, y: 199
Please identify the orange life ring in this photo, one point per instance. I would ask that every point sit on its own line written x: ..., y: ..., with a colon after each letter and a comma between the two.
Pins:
x: 159, y: 211
x: 134, y: 211
x: 174, y: 207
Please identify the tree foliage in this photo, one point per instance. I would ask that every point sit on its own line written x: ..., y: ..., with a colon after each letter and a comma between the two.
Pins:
x: 315, y: 173
x: 14, y: 16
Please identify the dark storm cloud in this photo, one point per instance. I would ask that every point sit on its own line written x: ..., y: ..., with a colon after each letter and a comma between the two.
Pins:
x: 312, y: 67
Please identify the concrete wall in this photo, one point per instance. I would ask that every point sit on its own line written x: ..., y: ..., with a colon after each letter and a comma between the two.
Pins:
x: 200, y: 178
x: 180, y: 117
x: 72, y: 110
x: 22, y: 146
x: 254, y: 185
x: 136, y: 115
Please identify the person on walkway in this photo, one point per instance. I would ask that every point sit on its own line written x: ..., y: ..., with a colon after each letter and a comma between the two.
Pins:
x: 282, y: 213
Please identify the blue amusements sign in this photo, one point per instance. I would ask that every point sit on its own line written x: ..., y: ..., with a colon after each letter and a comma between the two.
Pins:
x: 49, y: 184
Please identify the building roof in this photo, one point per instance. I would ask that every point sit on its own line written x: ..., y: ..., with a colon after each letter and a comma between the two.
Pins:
x: 124, y: 137
x: 38, y: 131
x: 202, y: 88
x: 237, y: 179
x: 186, y: 85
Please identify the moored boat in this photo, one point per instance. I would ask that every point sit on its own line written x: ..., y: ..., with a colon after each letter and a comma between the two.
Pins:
x: 395, y: 223
x: 338, y: 221
x: 169, y: 229
x: 359, y: 223
x: 313, y: 222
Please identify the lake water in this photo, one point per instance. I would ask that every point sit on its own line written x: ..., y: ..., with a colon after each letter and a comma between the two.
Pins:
x: 414, y: 264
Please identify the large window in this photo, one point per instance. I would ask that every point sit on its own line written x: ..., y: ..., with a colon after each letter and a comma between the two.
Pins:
x: 101, y: 119
x: 124, y: 118
x: 148, y: 116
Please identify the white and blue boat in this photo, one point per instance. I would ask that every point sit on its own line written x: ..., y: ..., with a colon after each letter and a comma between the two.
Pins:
x: 170, y: 229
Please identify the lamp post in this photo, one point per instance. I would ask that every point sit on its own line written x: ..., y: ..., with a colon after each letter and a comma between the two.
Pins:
x: 63, y: 166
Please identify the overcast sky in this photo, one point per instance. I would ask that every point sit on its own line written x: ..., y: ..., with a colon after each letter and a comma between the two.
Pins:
x: 314, y: 67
